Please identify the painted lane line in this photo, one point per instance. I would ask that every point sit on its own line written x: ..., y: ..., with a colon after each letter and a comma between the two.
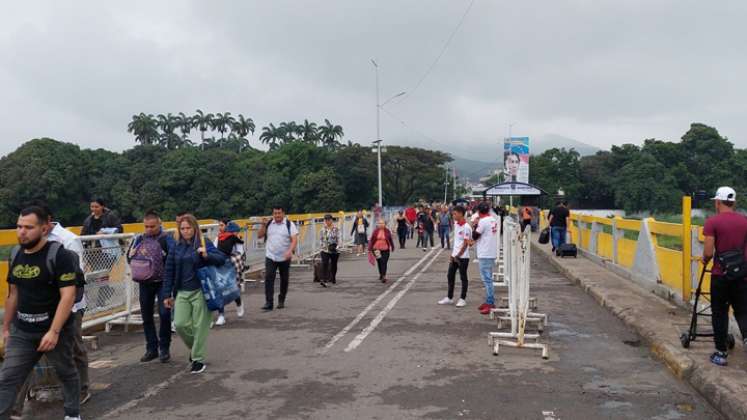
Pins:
x: 549, y: 415
x: 368, y: 308
x: 149, y: 393
x: 380, y: 317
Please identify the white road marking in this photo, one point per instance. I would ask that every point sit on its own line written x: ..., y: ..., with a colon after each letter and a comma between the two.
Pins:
x: 380, y: 317
x: 549, y: 415
x: 368, y: 308
x: 149, y: 393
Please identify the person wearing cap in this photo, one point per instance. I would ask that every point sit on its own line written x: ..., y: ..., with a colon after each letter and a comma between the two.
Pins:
x: 330, y: 239
x: 725, y: 232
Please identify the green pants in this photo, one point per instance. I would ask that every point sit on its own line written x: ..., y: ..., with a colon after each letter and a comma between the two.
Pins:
x: 192, y: 321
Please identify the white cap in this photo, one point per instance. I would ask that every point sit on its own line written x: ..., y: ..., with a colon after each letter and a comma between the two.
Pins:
x: 725, y: 194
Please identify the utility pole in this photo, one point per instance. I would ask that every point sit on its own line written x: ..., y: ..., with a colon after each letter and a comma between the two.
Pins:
x: 454, y: 178
x: 446, y: 182
x: 378, y: 129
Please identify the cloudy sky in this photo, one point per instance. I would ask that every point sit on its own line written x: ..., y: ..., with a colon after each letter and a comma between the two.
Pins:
x: 602, y: 72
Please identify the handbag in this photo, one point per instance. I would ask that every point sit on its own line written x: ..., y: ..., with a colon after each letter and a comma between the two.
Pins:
x: 732, y: 264
x: 219, y: 286
x: 544, y: 236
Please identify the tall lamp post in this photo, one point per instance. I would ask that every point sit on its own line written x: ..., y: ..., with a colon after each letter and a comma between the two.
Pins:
x: 378, y: 140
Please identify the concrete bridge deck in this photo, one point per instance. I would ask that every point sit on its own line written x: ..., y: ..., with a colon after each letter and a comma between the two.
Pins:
x: 364, y: 350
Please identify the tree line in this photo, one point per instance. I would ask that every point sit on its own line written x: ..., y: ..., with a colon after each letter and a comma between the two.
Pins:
x: 214, y: 181
x: 173, y: 131
x: 652, y: 177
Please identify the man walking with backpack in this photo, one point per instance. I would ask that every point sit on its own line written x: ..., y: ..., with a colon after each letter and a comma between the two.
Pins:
x: 725, y: 239
x: 147, y: 257
x: 281, y: 239
x: 42, y: 277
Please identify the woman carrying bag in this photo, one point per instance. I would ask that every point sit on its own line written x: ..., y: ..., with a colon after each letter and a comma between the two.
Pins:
x: 191, y: 318
x: 330, y: 238
x: 381, y: 245
x: 229, y: 243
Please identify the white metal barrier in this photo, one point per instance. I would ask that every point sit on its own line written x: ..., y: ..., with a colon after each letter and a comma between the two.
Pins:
x: 516, y: 258
x: 110, y: 293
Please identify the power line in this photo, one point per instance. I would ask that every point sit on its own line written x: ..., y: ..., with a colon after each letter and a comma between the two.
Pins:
x: 438, y: 58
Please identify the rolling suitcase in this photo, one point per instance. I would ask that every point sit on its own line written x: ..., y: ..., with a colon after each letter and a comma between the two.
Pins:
x: 567, y: 250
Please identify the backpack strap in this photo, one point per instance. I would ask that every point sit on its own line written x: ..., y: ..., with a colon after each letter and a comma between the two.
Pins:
x: 288, y: 225
x: 13, y: 254
x: 54, y: 248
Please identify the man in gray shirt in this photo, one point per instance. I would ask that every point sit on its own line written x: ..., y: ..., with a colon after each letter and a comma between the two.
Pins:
x: 281, y: 239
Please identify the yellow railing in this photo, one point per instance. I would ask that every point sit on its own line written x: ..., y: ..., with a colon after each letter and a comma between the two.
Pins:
x: 616, y: 239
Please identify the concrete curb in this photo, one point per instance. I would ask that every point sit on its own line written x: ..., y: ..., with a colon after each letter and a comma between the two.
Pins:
x: 727, y: 395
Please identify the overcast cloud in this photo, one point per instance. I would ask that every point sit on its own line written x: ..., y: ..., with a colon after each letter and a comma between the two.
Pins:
x: 601, y: 72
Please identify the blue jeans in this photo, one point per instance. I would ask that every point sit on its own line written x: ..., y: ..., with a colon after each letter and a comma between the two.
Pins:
x: 558, y: 236
x: 443, y: 233
x: 486, y: 273
x: 150, y: 292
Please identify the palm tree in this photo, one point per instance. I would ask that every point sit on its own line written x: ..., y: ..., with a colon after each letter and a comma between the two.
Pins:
x: 329, y: 134
x: 309, y: 132
x: 243, y: 126
x: 203, y: 122
x: 271, y: 136
x: 168, y: 124
x: 290, y: 130
x: 144, y: 127
x: 185, y: 125
x: 222, y: 123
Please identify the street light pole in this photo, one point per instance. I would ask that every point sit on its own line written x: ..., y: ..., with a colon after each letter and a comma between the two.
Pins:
x: 378, y: 128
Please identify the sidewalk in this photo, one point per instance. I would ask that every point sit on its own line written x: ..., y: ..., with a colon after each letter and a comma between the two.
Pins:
x: 660, y: 324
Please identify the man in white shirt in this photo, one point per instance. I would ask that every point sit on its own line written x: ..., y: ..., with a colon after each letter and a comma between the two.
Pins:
x: 459, y: 259
x: 281, y: 239
x: 72, y: 242
x: 486, y: 245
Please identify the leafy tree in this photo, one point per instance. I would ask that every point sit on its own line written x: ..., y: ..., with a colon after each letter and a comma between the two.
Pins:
x: 272, y: 136
x: 645, y: 184
x: 556, y: 169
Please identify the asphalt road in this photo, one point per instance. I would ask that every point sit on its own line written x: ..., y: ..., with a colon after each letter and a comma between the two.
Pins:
x: 364, y: 350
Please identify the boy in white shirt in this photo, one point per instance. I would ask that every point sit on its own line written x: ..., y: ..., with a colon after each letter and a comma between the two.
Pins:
x: 486, y: 245
x: 459, y: 259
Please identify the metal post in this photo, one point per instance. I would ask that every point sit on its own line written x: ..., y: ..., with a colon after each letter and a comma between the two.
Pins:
x: 454, y: 179
x: 446, y: 183
x: 378, y: 128
x: 686, y: 247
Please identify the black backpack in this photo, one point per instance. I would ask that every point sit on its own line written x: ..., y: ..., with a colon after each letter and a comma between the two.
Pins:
x: 54, y: 248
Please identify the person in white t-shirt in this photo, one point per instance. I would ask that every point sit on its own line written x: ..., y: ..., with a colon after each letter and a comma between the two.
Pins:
x: 486, y: 245
x: 459, y: 259
x: 281, y: 240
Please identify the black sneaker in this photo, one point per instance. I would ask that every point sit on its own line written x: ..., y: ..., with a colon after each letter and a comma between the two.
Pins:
x: 148, y: 356
x: 268, y: 307
x: 281, y: 305
x: 165, y: 357
x: 197, y: 367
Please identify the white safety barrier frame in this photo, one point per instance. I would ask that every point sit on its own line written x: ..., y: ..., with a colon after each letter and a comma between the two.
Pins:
x: 109, y: 291
x: 517, y: 274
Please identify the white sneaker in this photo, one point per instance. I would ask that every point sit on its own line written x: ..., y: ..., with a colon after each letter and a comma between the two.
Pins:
x: 72, y: 418
x: 446, y: 301
x: 433, y: 247
x: 240, y: 311
x: 221, y: 321
x: 461, y: 303
x: 173, y: 327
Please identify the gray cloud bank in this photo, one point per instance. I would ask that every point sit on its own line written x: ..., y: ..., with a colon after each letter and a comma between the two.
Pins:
x: 602, y: 72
